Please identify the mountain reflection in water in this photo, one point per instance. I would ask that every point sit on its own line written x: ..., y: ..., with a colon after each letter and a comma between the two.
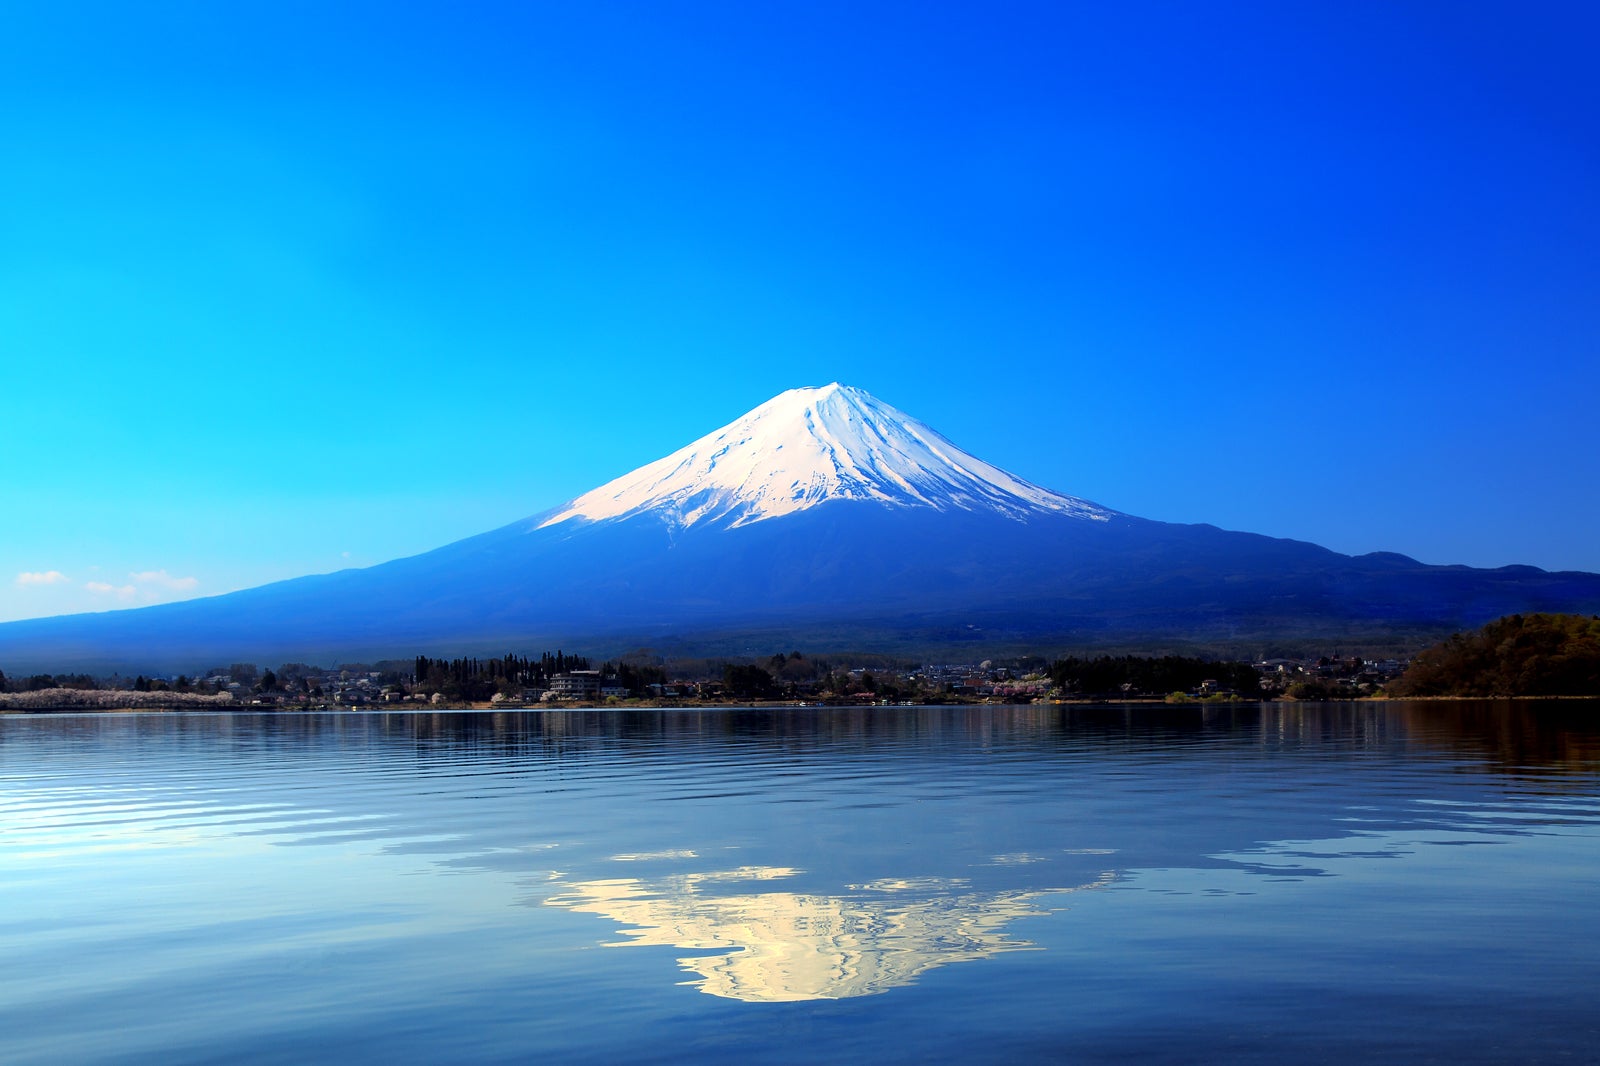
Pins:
x: 1306, y: 882
x: 779, y: 946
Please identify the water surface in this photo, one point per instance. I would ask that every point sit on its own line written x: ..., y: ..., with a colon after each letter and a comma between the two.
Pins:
x: 1312, y: 882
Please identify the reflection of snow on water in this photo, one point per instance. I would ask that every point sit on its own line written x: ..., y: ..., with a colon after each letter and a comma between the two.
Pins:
x: 1021, y: 858
x: 775, y: 947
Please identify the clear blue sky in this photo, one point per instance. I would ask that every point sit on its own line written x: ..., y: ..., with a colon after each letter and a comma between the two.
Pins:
x: 286, y: 287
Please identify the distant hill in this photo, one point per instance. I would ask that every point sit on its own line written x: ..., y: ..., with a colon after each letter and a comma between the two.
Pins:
x: 828, y: 520
x: 1520, y: 655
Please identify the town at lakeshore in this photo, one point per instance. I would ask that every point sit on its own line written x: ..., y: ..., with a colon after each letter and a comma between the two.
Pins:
x: 389, y: 684
x: 1533, y: 655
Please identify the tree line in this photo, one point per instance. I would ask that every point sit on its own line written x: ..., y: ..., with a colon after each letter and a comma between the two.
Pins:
x: 1518, y: 655
x: 472, y: 679
x: 1131, y: 674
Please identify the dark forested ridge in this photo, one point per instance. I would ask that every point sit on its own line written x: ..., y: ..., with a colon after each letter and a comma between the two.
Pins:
x: 1519, y: 655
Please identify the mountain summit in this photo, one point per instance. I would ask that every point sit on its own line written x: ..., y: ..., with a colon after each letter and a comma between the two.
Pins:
x: 826, y: 520
x: 811, y: 446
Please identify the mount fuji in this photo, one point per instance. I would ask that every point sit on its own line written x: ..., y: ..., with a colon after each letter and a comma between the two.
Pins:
x: 808, y: 447
x: 823, y: 519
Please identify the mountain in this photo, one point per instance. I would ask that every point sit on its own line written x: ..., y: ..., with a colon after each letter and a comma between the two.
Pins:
x: 808, y: 447
x: 823, y: 519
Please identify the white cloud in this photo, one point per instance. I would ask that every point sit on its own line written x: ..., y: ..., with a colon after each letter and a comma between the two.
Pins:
x: 162, y: 579
x: 97, y: 588
x: 47, y: 577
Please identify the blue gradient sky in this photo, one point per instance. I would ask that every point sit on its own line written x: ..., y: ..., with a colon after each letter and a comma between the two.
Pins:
x: 285, y: 289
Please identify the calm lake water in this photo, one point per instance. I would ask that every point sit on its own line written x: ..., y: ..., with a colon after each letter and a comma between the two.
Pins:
x: 1282, y: 883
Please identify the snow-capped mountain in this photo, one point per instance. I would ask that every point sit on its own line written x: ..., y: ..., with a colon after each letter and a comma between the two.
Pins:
x: 823, y: 520
x: 811, y: 446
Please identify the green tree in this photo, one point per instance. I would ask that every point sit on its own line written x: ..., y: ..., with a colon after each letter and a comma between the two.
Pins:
x: 1108, y: 676
x: 747, y: 682
x: 1518, y: 655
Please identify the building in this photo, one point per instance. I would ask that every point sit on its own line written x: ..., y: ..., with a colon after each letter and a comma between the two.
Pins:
x: 576, y: 685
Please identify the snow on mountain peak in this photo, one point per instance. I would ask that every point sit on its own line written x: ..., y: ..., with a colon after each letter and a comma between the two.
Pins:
x: 810, y: 446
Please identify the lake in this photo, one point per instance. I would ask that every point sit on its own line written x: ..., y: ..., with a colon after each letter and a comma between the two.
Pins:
x: 1313, y: 883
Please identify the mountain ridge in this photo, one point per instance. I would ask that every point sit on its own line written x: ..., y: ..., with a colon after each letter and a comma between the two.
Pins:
x: 911, y: 543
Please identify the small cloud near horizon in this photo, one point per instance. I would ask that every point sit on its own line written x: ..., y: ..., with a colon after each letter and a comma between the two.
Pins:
x: 164, y: 580
x: 147, y: 585
x: 45, y: 593
x: 45, y: 577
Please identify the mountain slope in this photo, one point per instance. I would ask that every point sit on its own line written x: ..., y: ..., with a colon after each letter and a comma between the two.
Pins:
x: 824, y: 517
x: 806, y: 447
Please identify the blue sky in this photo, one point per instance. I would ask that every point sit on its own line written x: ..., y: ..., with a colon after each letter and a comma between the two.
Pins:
x: 289, y: 287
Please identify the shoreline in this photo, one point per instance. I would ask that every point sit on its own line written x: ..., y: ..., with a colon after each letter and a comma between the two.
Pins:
x: 211, y: 705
